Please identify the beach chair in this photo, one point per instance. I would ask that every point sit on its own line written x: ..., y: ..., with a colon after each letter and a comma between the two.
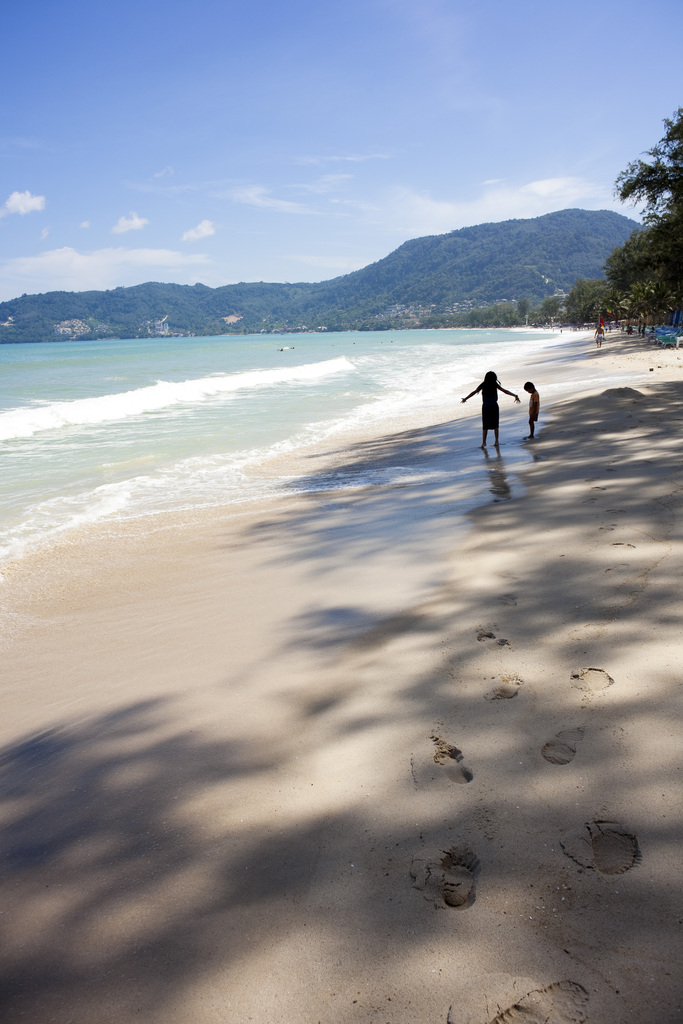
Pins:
x: 669, y: 339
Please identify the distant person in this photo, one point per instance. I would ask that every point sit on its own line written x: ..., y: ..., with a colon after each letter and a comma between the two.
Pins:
x: 599, y: 336
x: 489, y: 387
x: 534, y: 408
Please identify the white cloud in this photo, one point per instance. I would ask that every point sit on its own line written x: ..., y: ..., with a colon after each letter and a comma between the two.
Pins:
x: 84, y: 224
x: 130, y: 223
x: 69, y: 270
x: 22, y: 203
x: 167, y: 172
x: 203, y: 230
x: 402, y: 211
x: 44, y: 233
x: 567, y: 190
x: 257, y: 195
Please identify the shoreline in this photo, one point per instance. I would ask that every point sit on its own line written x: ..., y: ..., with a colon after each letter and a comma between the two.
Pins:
x: 277, y: 476
x: 234, y: 761
x: 181, y: 476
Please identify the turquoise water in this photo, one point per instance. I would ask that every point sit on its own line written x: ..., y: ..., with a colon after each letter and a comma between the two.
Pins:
x: 93, y: 431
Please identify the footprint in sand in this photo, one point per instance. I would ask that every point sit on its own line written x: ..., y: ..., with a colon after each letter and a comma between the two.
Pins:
x: 449, y: 756
x: 562, y: 747
x: 447, y: 880
x: 621, y: 544
x: 487, y: 634
x: 508, y: 599
x: 608, y: 846
x: 507, y: 688
x: 565, y: 1002
x: 591, y: 679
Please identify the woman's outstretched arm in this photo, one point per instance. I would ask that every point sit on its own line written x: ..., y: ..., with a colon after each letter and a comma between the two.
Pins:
x: 470, y: 394
x: 510, y: 393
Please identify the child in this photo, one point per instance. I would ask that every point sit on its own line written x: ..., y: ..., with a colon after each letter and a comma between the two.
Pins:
x: 534, y: 407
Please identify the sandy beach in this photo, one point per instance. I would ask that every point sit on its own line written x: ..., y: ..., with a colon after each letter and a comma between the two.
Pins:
x: 336, y: 762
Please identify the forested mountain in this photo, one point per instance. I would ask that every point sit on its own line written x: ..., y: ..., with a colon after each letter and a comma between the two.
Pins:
x: 425, y: 281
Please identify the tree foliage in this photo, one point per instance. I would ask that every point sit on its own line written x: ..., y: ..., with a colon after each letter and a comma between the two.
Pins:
x: 630, y: 262
x: 586, y: 301
x: 656, y: 253
x: 657, y: 183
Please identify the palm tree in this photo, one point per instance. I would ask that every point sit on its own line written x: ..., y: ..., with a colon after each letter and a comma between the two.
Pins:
x: 615, y: 303
x: 662, y: 301
x: 638, y: 303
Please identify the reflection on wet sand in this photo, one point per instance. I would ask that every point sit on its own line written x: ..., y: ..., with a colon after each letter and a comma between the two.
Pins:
x: 500, y: 488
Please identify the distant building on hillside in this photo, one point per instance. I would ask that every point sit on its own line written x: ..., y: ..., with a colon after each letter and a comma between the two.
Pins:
x: 159, y: 328
x: 71, y: 328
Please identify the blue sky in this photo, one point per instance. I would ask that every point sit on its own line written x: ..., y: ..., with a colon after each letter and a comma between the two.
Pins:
x: 232, y: 141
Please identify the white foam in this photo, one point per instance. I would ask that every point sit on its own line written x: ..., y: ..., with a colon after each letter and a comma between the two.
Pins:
x: 49, y: 519
x: 29, y: 420
x: 386, y: 390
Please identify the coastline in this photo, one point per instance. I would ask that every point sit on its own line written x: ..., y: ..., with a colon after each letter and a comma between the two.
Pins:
x: 77, y: 498
x: 219, y: 744
x: 95, y: 446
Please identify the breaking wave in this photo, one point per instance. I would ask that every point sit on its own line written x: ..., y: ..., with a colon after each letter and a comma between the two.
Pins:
x: 29, y: 420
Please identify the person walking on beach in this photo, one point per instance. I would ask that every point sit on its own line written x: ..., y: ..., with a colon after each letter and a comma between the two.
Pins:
x: 489, y: 387
x: 599, y: 335
x: 534, y: 408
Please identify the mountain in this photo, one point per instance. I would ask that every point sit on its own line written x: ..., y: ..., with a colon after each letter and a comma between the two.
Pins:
x: 435, y: 276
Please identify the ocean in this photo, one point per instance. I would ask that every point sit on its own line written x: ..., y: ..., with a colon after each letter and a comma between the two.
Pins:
x: 109, y: 431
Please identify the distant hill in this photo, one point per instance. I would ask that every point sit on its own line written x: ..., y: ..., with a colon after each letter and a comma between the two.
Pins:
x: 438, y: 276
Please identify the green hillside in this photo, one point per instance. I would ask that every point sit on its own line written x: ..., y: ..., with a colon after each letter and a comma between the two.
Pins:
x: 437, y: 276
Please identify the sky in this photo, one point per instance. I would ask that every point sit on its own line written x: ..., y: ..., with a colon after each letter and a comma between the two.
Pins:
x: 268, y: 141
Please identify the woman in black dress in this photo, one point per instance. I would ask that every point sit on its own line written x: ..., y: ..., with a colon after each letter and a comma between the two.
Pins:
x: 489, y: 387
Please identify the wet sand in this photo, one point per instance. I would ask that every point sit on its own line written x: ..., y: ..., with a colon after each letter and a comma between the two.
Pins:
x: 331, y: 763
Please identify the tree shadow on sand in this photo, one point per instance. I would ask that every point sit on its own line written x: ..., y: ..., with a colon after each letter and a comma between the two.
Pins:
x: 118, y: 899
x: 128, y: 883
